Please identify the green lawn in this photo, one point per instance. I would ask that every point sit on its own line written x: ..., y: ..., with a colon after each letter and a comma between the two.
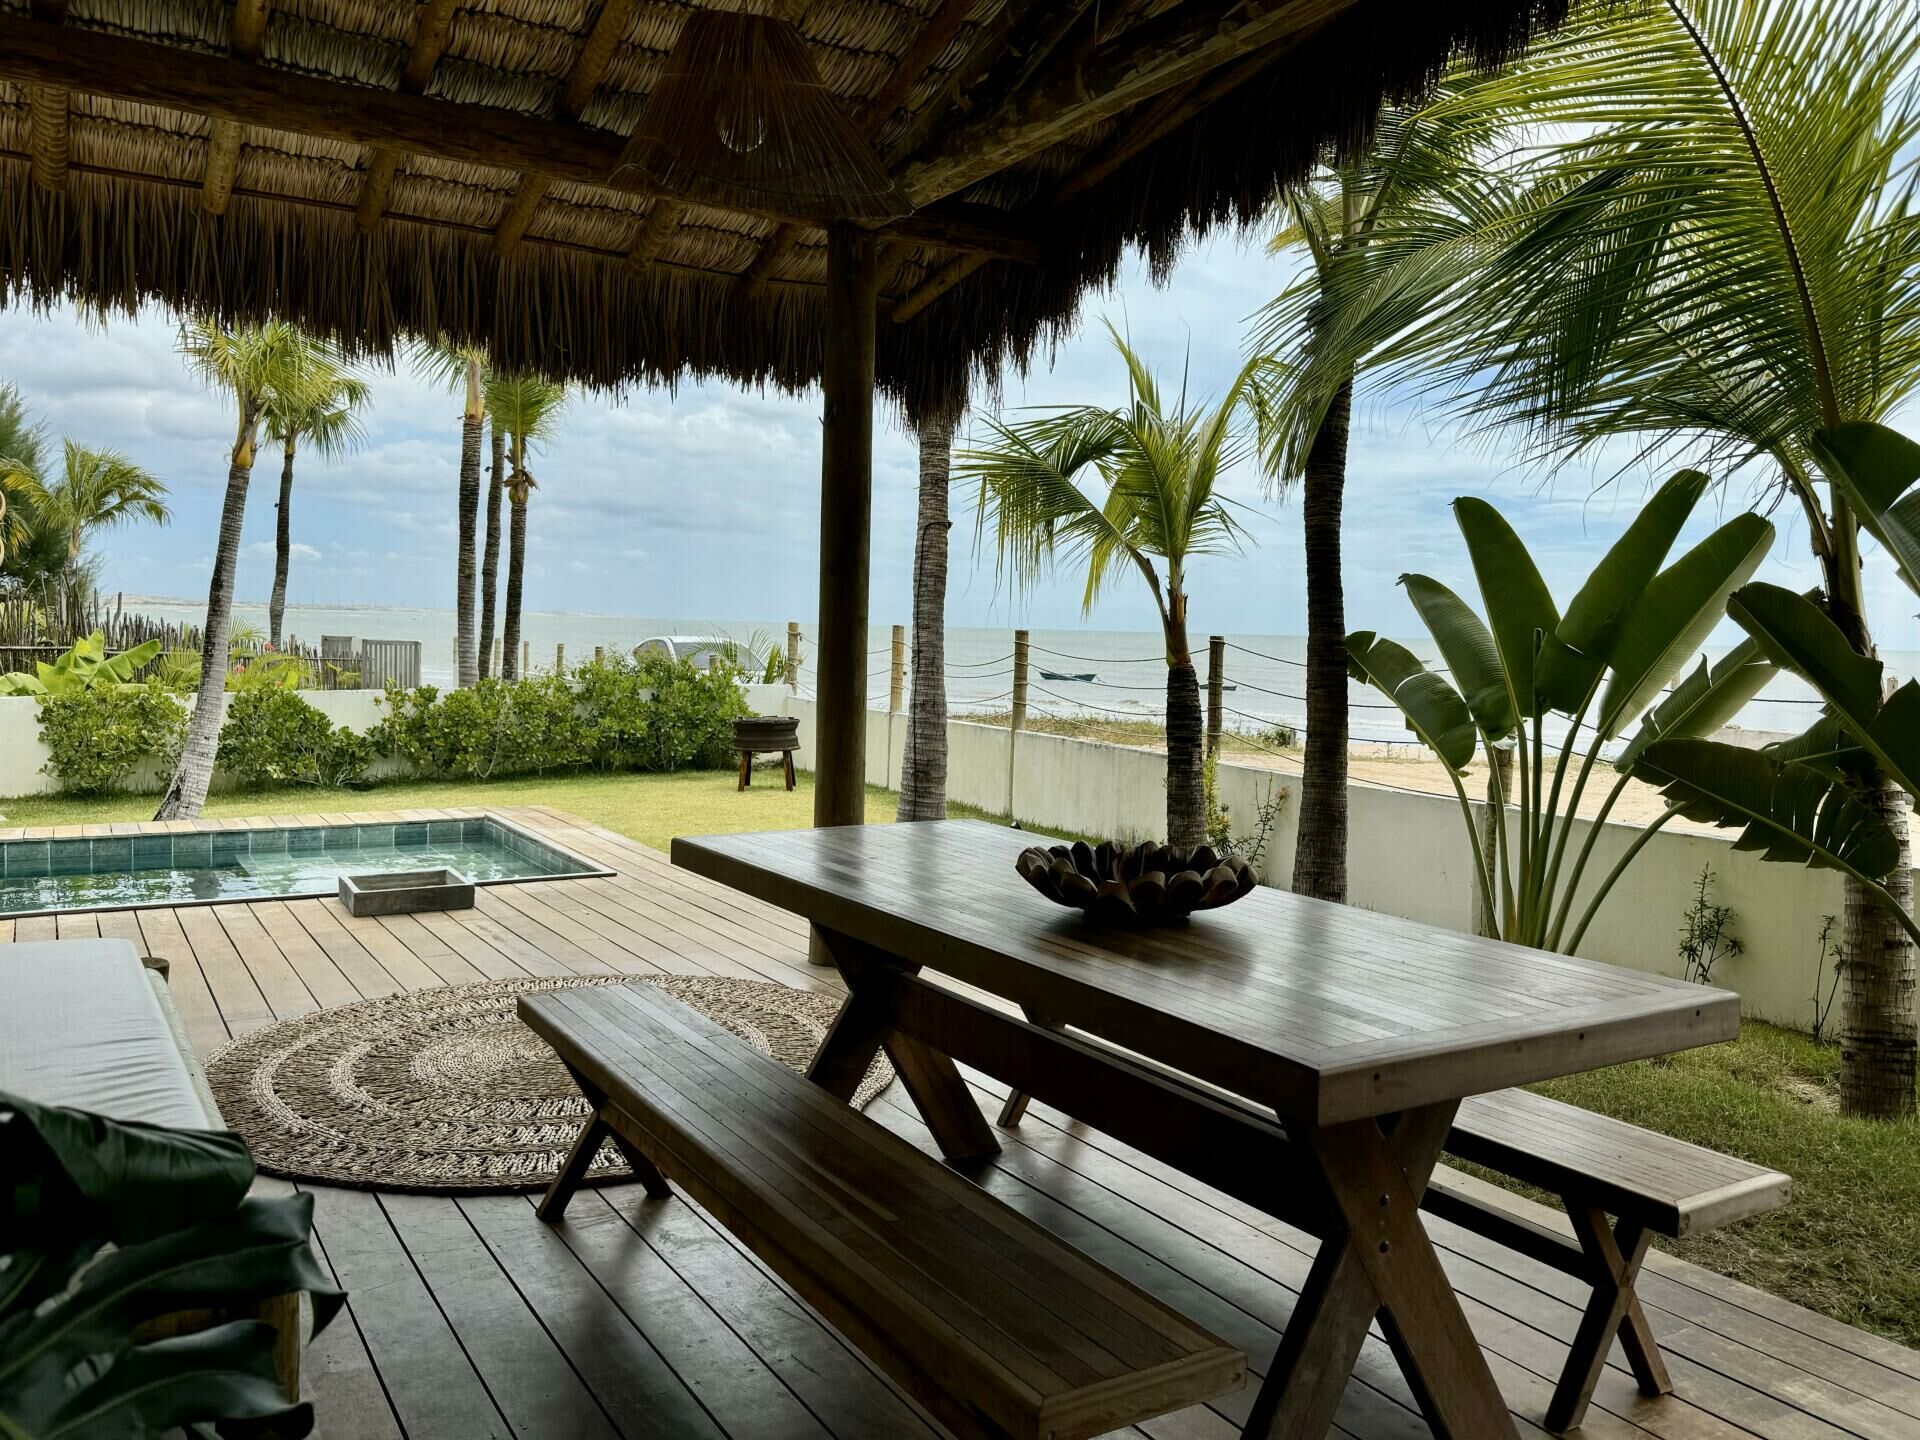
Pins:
x: 650, y: 808
x: 1848, y: 1245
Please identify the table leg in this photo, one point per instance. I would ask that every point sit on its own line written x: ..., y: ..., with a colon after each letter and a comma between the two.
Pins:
x: 1379, y: 1262
x: 865, y: 1025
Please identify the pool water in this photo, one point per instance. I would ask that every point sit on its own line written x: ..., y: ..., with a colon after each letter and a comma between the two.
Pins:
x: 120, y: 871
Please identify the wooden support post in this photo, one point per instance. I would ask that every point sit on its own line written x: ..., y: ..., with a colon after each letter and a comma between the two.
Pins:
x: 1500, y: 765
x: 846, y: 513
x: 793, y: 656
x: 599, y: 654
x: 1018, y: 717
x: 897, y: 676
x: 526, y: 657
x: 497, y: 655
x: 559, y: 659
x: 1216, y: 679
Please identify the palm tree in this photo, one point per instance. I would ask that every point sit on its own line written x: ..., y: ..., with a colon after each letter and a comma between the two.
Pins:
x: 528, y: 408
x: 1158, y: 465
x: 1305, y: 415
x: 923, y: 768
x: 490, y: 560
x: 322, y: 409
x: 254, y: 364
x: 465, y: 367
x: 1710, y: 245
x: 30, y: 554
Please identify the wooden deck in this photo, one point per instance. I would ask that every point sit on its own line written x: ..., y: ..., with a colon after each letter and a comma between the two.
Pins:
x: 468, y: 1318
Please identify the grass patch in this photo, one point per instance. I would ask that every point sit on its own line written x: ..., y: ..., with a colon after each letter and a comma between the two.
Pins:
x: 649, y: 808
x: 1848, y: 1243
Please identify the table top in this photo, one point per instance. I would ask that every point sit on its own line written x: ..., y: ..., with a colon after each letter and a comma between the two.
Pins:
x: 1324, y: 1012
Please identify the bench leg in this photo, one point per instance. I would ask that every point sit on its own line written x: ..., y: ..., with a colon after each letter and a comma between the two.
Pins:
x: 595, y: 1132
x: 787, y: 765
x: 746, y: 770
x: 1615, y: 1255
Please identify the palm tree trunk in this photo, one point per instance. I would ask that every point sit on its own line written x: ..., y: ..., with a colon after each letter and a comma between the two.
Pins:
x: 187, y: 792
x: 1877, y: 1029
x: 1186, y: 735
x: 516, y: 570
x: 1320, y: 857
x: 923, y: 770
x: 490, y: 560
x: 471, y: 425
x: 282, y: 546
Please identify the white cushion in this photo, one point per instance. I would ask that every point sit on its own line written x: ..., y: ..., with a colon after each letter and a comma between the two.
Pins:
x: 80, y: 1026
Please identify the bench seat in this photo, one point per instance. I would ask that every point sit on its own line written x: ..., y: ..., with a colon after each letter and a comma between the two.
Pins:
x: 1599, y: 1167
x: 996, y: 1326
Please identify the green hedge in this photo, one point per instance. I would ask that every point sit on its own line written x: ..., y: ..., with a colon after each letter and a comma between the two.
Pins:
x: 97, y: 736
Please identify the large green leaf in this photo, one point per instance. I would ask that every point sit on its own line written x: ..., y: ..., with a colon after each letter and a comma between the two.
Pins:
x: 1468, y: 649
x: 1675, y: 613
x: 1707, y: 699
x: 1785, y: 811
x: 1826, y: 746
x: 1520, y: 609
x: 132, y: 1181
x: 1570, y: 668
x: 225, y: 1373
x: 1800, y: 636
x: 1433, y: 708
x: 1878, y: 470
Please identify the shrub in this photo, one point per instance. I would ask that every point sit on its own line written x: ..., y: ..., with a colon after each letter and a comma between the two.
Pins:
x: 662, y: 714
x: 97, y: 736
x: 273, y: 737
x: 494, y: 729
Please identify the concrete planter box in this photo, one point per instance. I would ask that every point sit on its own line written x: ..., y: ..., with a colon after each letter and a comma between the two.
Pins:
x: 404, y: 892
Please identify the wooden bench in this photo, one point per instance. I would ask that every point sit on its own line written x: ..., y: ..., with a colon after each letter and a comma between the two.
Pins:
x: 996, y: 1326
x: 1599, y: 1167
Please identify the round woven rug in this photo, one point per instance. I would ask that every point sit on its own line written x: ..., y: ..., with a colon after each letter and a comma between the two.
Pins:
x: 446, y: 1090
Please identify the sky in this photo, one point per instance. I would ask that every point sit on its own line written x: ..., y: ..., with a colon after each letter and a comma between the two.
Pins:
x: 702, y: 504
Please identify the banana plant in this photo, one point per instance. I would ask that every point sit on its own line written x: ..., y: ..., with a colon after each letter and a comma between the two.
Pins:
x: 1877, y: 469
x: 83, y: 667
x: 1601, y: 664
x: 184, y: 1236
x: 1798, y: 800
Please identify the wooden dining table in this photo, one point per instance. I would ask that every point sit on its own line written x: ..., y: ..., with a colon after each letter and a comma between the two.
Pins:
x: 1304, y: 1057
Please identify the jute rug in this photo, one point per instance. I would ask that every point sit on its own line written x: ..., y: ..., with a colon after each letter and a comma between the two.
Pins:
x: 446, y: 1090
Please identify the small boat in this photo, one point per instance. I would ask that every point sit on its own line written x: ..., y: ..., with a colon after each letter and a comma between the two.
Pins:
x: 1085, y: 677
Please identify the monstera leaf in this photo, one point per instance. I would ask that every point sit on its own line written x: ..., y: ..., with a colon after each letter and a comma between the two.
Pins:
x: 184, y: 1235
x: 1878, y: 470
x: 1433, y: 709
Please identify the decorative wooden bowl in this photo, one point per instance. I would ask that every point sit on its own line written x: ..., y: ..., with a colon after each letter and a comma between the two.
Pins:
x: 1144, y: 884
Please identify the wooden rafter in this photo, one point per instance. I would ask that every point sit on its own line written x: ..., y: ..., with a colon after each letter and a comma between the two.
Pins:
x: 429, y: 39
x: 583, y: 78
x: 223, y: 143
x: 936, y: 285
x: 47, y: 114
x: 934, y: 36
x: 653, y: 232
x: 988, y: 45
x: 1088, y: 85
x: 97, y: 63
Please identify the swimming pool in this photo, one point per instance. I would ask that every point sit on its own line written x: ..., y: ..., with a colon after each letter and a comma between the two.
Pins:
x: 39, y: 877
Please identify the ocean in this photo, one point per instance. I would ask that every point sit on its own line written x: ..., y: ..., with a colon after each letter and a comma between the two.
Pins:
x: 1129, y: 673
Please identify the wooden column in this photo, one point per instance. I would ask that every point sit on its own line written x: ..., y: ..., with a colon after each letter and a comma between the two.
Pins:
x: 1017, y: 716
x: 897, y: 670
x: 1216, y: 680
x: 846, y: 514
x: 793, y: 656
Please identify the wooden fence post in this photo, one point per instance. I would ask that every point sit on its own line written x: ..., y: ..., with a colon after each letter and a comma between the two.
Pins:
x: 793, y: 656
x: 1500, y: 760
x: 1216, y: 680
x: 559, y: 659
x: 1018, y: 717
x: 894, y: 683
x: 526, y: 657
x: 599, y: 654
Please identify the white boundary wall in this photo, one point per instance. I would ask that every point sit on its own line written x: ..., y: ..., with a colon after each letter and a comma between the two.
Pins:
x: 1407, y: 852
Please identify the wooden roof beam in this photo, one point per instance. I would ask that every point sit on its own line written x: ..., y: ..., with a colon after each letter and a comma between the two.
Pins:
x: 1180, y: 45
x: 589, y: 68
x: 988, y: 46
x: 223, y: 143
x: 936, y: 285
x: 98, y: 63
x: 429, y: 40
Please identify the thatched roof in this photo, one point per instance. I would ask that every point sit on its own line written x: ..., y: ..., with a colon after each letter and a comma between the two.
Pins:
x: 371, y: 168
